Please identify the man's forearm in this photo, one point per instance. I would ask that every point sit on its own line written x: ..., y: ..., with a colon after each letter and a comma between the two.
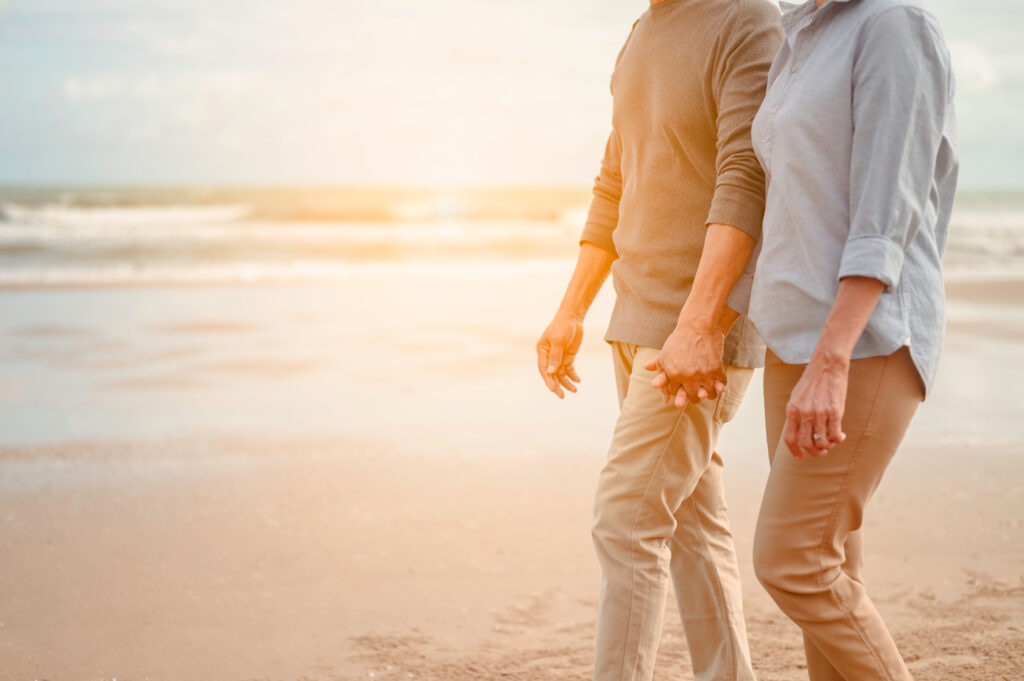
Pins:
x: 592, y: 267
x: 725, y: 255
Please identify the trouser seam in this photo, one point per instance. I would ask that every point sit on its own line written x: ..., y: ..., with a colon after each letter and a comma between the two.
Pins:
x: 632, y: 534
x: 719, y: 591
x: 833, y: 519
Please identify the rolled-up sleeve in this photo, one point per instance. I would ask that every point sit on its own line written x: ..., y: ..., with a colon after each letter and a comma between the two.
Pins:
x: 902, y: 83
x: 741, y: 73
x: 603, y: 215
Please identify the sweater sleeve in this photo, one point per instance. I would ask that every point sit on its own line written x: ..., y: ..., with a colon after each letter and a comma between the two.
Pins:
x: 739, y: 78
x: 603, y: 215
x: 604, y: 205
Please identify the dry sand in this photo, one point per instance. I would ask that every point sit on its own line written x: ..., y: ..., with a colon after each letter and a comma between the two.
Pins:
x: 392, y: 496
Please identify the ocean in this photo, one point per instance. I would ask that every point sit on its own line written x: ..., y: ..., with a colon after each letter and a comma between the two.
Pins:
x: 125, y: 237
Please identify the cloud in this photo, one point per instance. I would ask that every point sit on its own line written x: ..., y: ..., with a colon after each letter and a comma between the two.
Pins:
x: 975, y: 67
x: 223, y: 85
x: 388, y: 91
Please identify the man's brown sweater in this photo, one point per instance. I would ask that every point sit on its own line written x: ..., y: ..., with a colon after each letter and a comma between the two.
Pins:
x: 686, y: 86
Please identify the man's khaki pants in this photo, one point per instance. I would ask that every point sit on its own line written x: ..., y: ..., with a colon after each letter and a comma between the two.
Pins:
x: 660, y: 512
x: 808, y: 548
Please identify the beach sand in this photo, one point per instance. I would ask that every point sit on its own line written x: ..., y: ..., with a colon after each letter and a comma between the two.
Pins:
x: 366, y: 480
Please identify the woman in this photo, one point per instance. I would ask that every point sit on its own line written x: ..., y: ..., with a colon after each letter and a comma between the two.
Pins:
x: 856, y: 138
x: 855, y: 135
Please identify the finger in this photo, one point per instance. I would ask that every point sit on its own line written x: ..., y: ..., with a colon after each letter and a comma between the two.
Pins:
x: 719, y: 387
x: 542, y: 366
x: 555, y: 358
x: 662, y: 385
x: 702, y: 393
x: 568, y: 368
x: 571, y: 372
x: 819, y: 436
x: 693, y: 393
x: 660, y: 382
x: 556, y: 388
x: 835, y: 429
x: 790, y: 434
x: 563, y: 379
x: 804, y: 436
x: 681, y: 398
x: 652, y: 365
x: 665, y: 385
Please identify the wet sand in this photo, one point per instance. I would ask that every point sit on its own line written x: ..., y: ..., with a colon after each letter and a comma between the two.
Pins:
x: 366, y: 480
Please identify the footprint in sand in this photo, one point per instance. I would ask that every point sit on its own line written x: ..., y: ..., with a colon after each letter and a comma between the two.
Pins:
x: 945, y: 661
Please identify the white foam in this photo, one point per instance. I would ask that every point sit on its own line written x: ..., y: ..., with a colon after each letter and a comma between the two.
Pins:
x: 269, y: 272
x: 112, y: 217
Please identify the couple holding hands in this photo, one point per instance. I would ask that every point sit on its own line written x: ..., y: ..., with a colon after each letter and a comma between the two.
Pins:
x: 769, y: 182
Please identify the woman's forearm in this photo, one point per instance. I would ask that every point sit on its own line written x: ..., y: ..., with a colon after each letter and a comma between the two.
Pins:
x: 850, y: 314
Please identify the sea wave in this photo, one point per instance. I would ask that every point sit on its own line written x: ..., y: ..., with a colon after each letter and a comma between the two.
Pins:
x: 101, y: 218
x: 68, y: 242
x: 266, y: 272
x: 991, y: 237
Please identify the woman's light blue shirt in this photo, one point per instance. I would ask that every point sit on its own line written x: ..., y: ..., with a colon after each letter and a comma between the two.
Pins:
x: 856, y: 136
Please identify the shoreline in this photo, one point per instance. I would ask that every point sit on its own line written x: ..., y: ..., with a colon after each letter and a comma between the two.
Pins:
x: 959, y: 283
x: 328, y: 480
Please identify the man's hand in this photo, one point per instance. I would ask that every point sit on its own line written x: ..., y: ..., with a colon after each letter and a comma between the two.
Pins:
x: 691, y: 359
x: 557, y: 347
x: 690, y: 364
x: 556, y: 352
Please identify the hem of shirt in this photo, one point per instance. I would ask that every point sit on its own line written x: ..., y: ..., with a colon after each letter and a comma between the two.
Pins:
x: 654, y: 337
x: 926, y: 380
x: 642, y: 336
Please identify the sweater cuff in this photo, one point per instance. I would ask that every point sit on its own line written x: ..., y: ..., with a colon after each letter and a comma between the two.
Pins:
x: 599, y: 237
x: 737, y: 207
x: 601, y: 222
x: 876, y: 257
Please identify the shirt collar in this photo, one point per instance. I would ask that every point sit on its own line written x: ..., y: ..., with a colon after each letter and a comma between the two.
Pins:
x: 793, y: 13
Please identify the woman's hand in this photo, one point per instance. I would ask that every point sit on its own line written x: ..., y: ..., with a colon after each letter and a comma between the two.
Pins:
x: 818, y: 401
x: 814, y: 415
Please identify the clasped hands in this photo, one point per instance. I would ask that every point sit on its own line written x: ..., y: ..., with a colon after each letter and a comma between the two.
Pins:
x: 690, y: 369
x: 689, y: 365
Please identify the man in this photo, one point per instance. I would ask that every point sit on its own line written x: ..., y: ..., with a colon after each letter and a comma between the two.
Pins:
x: 679, y: 191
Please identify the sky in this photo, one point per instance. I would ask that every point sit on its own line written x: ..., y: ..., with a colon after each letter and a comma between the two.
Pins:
x: 407, y: 92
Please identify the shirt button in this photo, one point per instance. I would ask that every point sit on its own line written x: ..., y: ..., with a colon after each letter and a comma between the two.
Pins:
x: 793, y: 68
x: 773, y: 110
